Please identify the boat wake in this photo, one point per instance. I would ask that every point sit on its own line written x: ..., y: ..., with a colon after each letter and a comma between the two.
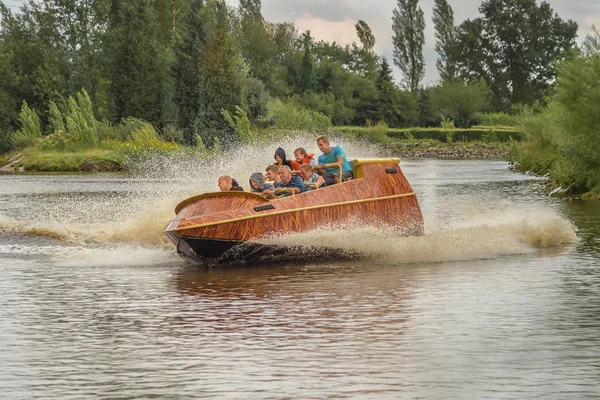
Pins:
x: 139, y: 241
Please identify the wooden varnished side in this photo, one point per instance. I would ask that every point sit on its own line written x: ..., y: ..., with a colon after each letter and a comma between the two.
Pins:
x: 378, y: 197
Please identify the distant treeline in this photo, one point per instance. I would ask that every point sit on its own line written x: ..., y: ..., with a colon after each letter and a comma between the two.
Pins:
x: 190, y: 65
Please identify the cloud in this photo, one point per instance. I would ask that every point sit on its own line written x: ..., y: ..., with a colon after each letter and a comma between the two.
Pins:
x: 342, y: 32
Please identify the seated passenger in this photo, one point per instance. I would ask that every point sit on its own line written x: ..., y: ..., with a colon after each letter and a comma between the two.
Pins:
x: 227, y: 183
x: 288, y: 181
x: 303, y: 158
x: 273, y: 176
x: 306, y: 172
x: 258, y: 184
x: 281, y: 160
x: 333, y: 155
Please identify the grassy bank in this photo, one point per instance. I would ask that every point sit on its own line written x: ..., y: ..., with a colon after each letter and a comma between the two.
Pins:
x: 40, y: 157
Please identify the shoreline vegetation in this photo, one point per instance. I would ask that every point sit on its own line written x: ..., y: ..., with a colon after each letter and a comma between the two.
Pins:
x: 199, y: 77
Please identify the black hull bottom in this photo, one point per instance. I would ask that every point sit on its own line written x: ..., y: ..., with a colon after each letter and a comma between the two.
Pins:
x: 211, y: 252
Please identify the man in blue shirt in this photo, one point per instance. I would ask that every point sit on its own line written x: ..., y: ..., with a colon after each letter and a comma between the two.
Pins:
x: 333, y: 155
x: 288, y: 181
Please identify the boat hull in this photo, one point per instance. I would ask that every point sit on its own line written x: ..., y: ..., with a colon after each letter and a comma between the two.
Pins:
x: 226, y: 226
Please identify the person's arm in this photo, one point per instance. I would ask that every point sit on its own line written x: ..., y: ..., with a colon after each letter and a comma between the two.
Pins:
x: 320, y: 181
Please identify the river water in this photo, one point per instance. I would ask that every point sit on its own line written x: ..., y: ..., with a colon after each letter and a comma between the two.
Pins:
x: 500, y: 299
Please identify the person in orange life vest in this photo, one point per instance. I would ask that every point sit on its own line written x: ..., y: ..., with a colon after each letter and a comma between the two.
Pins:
x: 303, y: 158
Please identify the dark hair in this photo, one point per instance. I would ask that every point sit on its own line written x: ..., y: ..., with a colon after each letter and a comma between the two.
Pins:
x: 323, y: 138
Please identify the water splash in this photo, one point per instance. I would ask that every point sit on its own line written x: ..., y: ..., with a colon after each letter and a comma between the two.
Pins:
x: 481, y: 237
x: 133, y: 216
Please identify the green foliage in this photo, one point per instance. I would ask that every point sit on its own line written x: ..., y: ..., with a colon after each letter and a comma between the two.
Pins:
x: 326, y: 104
x: 460, y: 100
x: 445, y: 35
x: 240, y: 123
x: 538, y: 152
x: 497, y: 47
x: 140, y: 60
x: 292, y: 116
x: 81, y: 125
x: 448, y: 126
x: 30, y: 131
x: 408, y: 25
x: 255, y: 97
x: 55, y: 118
x: 493, y: 119
x: 187, y: 68
x: 376, y: 133
x: 221, y: 76
x: 307, y: 77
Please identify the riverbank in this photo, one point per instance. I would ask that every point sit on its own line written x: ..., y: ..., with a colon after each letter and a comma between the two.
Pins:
x: 449, y: 151
x: 101, y: 160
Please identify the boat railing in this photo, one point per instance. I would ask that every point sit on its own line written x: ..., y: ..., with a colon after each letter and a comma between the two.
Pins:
x: 334, y: 165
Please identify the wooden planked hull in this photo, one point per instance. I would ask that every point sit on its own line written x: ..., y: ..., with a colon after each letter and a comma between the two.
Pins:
x: 212, y: 224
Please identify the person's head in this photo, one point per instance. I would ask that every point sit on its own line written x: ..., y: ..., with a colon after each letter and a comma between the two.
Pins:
x: 306, y: 171
x: 300, y: 154
x: 279, y: 156
x: 225, y: 183
x: 324, y: 144
x: 257, y: 182
x: 272, y: 173
x: 285, y: 173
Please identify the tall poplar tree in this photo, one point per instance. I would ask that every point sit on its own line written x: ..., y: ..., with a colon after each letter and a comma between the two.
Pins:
x: 221, y: 75
x: 187, y: 69
x: 307, y: 77
x: 408, y: 25
x: 445, y: 45
x: 140, y: 61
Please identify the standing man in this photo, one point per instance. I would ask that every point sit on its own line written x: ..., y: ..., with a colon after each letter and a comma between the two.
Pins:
x: 332, y: 155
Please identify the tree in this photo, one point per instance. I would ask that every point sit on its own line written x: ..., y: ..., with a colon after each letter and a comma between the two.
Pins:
x: 259, y: 48
x: 514, y: 47
x: 445, y: 45
x: 187, y: 71
x: 408, y: 25
x: 460, y: 100
x: 307, y: 76
x: 365, y: 59
x: 221, y: 76
x: 141, y: 60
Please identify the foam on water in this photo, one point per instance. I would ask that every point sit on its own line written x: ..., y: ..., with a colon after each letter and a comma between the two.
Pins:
x: 483, y: 237
x: 125, y: 228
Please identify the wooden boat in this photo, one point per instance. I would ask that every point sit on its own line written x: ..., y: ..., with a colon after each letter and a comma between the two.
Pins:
x: 223, y: 227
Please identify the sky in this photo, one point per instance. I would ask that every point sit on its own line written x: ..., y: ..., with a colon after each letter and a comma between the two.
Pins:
x: 333, y: 20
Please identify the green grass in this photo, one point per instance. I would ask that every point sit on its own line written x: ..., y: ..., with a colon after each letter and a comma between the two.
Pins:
x: 53, y: 161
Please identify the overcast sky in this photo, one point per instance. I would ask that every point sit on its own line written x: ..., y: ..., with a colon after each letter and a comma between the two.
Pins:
x: 333, y: 20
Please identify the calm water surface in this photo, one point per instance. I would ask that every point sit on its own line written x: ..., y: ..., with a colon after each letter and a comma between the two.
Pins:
x: 495, y: 302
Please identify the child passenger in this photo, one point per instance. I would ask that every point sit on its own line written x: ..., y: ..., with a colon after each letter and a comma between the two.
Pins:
x: 303, y: 158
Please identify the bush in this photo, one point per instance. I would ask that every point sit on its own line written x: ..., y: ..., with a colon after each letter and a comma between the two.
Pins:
x: 494, y: 119
x: 241, y: 125
x: 255, y: 97
x: 292, y: 116
x: 374, y: 133
x: 30, y: 131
